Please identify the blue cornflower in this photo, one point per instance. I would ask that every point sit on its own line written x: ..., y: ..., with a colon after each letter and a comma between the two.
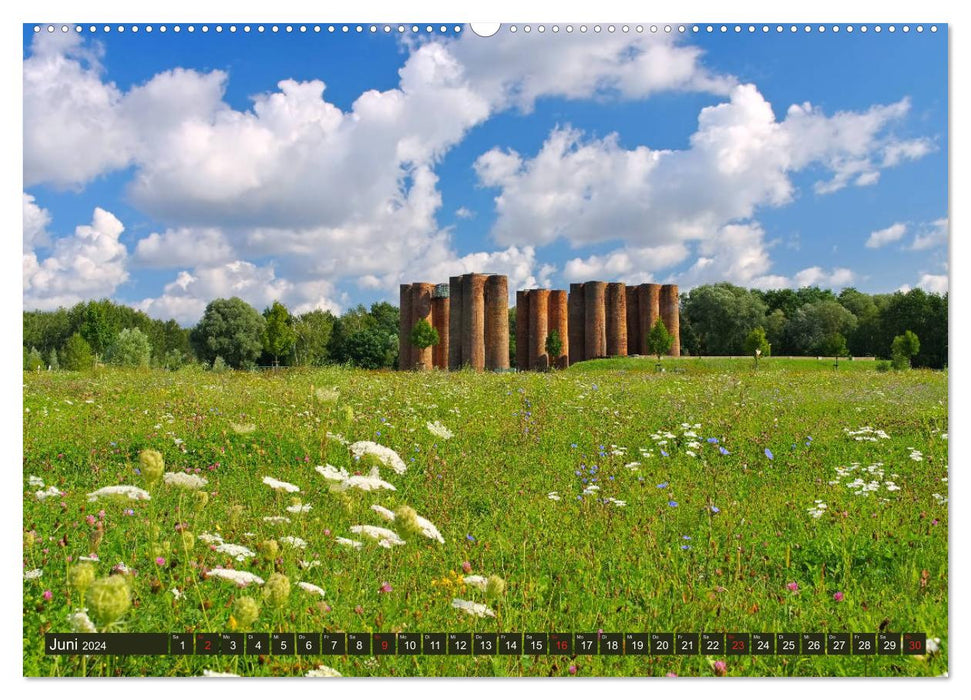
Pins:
x: 713, y: 441
x: 723, y: 450
x: 686, y: 546
x: 584, y: 479
x: 673, y: 504
x: 665, y: 453
x: 611, y: 477
x: 716, y: 509
x: 686, y: 537
x: 378, y: 432
x: 577, y: 472
x: 470, y: 538
x: 573, y: 445
x: 663, y: 485
x: 768, y: 453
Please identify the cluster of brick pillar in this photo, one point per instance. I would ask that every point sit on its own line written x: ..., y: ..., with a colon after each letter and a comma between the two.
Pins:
x: 611, y: 319
x: 538, y: 313
x: 471, y: 315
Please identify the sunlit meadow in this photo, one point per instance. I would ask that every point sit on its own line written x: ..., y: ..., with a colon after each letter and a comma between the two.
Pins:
x: 708, y: 497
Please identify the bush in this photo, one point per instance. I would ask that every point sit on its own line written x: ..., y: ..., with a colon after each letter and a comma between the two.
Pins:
x: 33, y: 361
x: 130, y: 348
x: 883, y: 366
x: 219, y: 364
x: 76, y: 354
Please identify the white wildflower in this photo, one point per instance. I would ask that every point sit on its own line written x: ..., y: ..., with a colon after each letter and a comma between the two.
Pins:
x: 385, y: 537
x: 311, y: 588
x: 383, y: 512
x: 616, y: 502
x: 277, y: 485
x: 933, y: 645
x: 183, y: 480
x: 92, y: 557
x: 632, y: 466
x: 236, y: 551
x: 332, y: 473
x: 132, y: 492
x: 50, y: 492
x: 477, y: 609
x: 309, y: 564
x: 439, y: 430
x: 429, y: 530
x: 476, y: 582
x: 293, y: 541
x: 299, y: 508
x: 32, y: 574
x: 371, y: 482
x: 35, y: 482
x: 553, y: 496
x: 240, y: 578
x: 206, y: 673
x: 276, y: 519
x: 349, y: 543
x: 210, y: 538
x: 323, y: 672
x: 177, y: 594
x: 385, y: 455
x: 336, y: 437
x: 690, y: 453
x: 242, y: 428
x: 79, y: 622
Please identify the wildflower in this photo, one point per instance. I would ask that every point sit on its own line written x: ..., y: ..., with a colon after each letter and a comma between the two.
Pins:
x: 466, y: 567
x: 276, y: 519
x: 573, y: 669
x: 768, y: 453
x: 48, y: 595
x: 276, y: 591
x: 470, y: 538
x: 323, y: 672
x: 439, y: 430
x: 385, y: 587
x: 32, y: 574
x: 245, y: 611
x: 206, y: 673
x: 152, y: 465
x: 495, y: 587
x: 160, y: 561
x: 188, y: 540
x: 311, y: 588
x: 715, y: 509
x: 236, y: 551
x: 79, y: 622
x: 414, y: 523
x: 476, y: 609
x: 386, y: 538
x: 35, y: 482
x: 240, y: 578
x: 663, y: 485
x: 277, y: 485
x: 299, y: 508
x: 80, y: 576
x: 553, y: 496
x: 673, y: 504
x: 125, y: 491
x: 109, y: 599
x: 723, y: 450
x: 838, y: 596
x: 792, y: 586
x: 721, y: 668
x: 479, y: 582
x: 371, y: 482
x: 383, y: 512
x: 712, y: 440
x: 242, y: 428
x: 327, y: 395
x: 294, y: 542
x: 349, y: 543
x: 50, y: 492
x: 332, y: 473
x: 385, y: 455
x: 183, y: 480
x: 176, y: 593
x: 933, y: 645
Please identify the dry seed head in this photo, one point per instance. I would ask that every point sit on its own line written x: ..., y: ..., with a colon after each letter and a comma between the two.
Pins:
x: 276, y: 590
x: 81, y: 576
x: 152, y: 465
x: 108, y: 599
x: 246, y: 610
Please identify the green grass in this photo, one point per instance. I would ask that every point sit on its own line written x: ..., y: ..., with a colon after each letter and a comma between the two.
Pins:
x: 573, y: 565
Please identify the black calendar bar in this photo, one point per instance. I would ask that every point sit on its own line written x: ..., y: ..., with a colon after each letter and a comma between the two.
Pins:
x: 487, y: 643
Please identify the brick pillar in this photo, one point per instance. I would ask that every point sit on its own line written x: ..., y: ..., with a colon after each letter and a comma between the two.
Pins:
x: 576, y: 310
x: 558, y: 320
x: 421, y: 308
x: 671, y: 315
x: 404, y: 327
x: 616, y: 315
x: 440, y: 318
x: 522, y: 331
x: 474, y: 293
x: 538, y: 325
x: 496, y: 323
x: 595, y: 320
x: 649, y: 297
x: 633, y: 325
x: 455, y: 323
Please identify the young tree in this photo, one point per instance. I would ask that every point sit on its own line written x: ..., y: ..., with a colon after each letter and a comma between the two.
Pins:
x: 423, y: 335
x: 76, y: 354
x: 757, y: 345
x: 659, y: 340
x: 903, y: 348
x: 52, y: 360
x: 232, y: 329
x: 554, y: 347
x: 313, y: 330
x: 130, y: 349
x: 834, y: 345
x: 278, y: 334
x: 34, y: 361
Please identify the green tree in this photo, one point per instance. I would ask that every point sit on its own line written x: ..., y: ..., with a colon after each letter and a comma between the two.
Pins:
x: 756, y: 344
x: 34, y: 361
x: 815, y: 323
x: 423, y: 335
x: 52, y: 361
x: 903, y: 348
x: 659, y: 340
x: 922, y: 313
x: 367, y: 348
x: 76, y: 354
x: 775, y: 330
x: 96, y: 326
x: 278, y: 334
x: 833, y: 345
x: 554, y: 348
x: 232, y: 329
x: 130, y: 348
x: 721, y: 316
x: 313, y: 330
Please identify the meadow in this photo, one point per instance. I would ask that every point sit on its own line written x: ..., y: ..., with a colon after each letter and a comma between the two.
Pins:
x: 708, y: 497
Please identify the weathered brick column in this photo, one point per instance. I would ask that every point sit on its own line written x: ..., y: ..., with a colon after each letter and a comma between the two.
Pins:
x: 473, y: 321
x: 595, y: 320
x: 404, y: 328
x: 538, y: 325
x: 496, y: 323
x: 671, y: 315
x: 421, y: 308
x: 440, y: 317
x: 522, y: 331
x: 576, y: 308
x: 648, y: 297
x: 633, y: 321
x: 616, y: 315
x: 455, y: 322
x: 558, y: 321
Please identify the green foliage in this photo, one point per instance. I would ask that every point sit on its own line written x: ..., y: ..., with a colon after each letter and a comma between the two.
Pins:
x: 34, y: 360
x: 279, y: 336
x: 232, y: 329
x: 833, y: 345
x: 554, y: 346
x: 756, y: 344
x: 52, y: 360
x: 721, y: 315
x: 76, y: 354
x: 423, y: 334
x: 903, y: 348
x: 96, y: 328
x: 366, y: 339
x: 659, y: 340
x: 219, y: 365
x: 816, y: 323
x: 313, y: 330
x: 367, y: 348
x: 173, y: 360
x: 130, y: 349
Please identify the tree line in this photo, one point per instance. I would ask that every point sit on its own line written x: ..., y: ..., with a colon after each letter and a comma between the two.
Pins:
x: 716, y: 319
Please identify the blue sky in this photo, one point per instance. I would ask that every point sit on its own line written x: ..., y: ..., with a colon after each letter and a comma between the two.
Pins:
x: 164, y: 170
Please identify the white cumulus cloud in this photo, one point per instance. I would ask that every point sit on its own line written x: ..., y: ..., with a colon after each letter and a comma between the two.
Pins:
x: 892, y: 233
